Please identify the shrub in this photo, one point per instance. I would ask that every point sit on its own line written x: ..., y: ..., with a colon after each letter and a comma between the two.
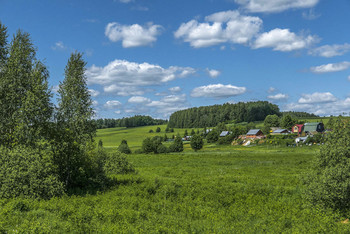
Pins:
x: 29, y: 173
x: 158, y: 129
x: 148, y: 146
x: 177, y: 146
x: 212, y: 136
x: 117, y: 163
x: 226, y: 140
x: 124, y: 148
x: 197, y: 142
x: 329, y: 180
x: 162, y: 149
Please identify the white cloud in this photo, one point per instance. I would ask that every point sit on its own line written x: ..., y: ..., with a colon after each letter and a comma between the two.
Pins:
x: 221, y: 27
x: 349, y: 78
x: 175, y: 89
x: 218, y: 91
x: 112, y: 104
x: 278, y: 97
x: 317, y: 98
x: 133, y: 35
x: 326, y: 108
x: 331, y: 67
x: 59, y: 46
x: 94, y: 93
x: 125, y: 78
x: 117, y: 112
x: 213, y: 73
x: 283, y: 40
x: 169, y: 104
x: 139, y: 100
x: 270, y: 6
x: 125, y: 1
x: 329, y: 51
x: 310, y: 15
x: 271, y: 90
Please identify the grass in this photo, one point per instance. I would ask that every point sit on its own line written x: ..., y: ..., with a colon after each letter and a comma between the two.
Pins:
x: 241, y: 190
x: 219, y: 189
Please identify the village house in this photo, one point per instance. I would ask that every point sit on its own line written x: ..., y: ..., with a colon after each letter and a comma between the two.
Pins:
x: 298, y: 128
x: 224, y: 133
x: 280, y: 132
x: 255, y: 134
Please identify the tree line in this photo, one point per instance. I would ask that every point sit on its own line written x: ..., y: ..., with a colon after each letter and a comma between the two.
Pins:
x: 129, y: 122
x: 200, y: 117
x: 45, y: 150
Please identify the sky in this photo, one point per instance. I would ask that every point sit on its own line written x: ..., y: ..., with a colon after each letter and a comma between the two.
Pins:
x: 155, y: 57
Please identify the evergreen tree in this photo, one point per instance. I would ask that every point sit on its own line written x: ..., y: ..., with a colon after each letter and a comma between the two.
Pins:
x: 3, y: 47
x: 25, y: 108
x: 177, y: 146
x: 287, y: 122
x: 124, y: 148
x: 75, y: 105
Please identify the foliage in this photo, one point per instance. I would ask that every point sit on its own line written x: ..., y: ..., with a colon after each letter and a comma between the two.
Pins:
x: 158, y: 129
x: 197, y: 142
x: 124, y: 148
x: 226, y: 140
x: 287, y: 122
x: 177, y: 145
x: 129, y: 122
x: 25, y: 108
x: 212, y: 115
x: 272, y: 121
x: 75, y: 105
x: 299, y: 114
x: 329, y: 181
x: 212, y: 136
x: 148, y: 146
x: 28, y: 173
x: 117, y: 163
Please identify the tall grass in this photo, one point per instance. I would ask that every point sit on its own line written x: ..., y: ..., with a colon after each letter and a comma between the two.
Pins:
x: 229, y: 191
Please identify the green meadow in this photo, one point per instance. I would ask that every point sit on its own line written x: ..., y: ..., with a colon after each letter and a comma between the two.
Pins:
x: 219, y: 189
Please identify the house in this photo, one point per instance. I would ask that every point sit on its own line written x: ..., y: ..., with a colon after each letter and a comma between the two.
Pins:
x: 298, y: 128
x: 224, y: 133
x: 312, y: 128
x: 280, y: 132
x: 255, y: 133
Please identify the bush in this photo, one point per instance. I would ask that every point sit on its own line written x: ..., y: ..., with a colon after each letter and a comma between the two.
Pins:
x: 124, y: 148
x: 197, y: 142
x: 162, y: 149
x: 117, y: 163
x: 177, y: 146
x: 148, y: 146
x: 329, y: 181
x: 226, y: 140
x: 28, y: 173
x: 212, y: 136
x: 158, y: 129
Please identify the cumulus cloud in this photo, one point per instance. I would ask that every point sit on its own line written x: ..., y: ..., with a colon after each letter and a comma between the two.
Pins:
x: 331, y: 67
x: 271, y: 6
x: 213, y: 73
x: 133, y: 35
x: 139, y: 100
x: 271, y: 90
x: 221, y: 27
x: 317, y: 98
x: 329, y: 51
x: 126, y: 78
x: 283, y: 40
x: 59, y: 46
x: 94, y: 93
x: 112, y: 104
x: 218, y: 91
x: 169, y: 104
x: 175, y: 89
x: 325, y: 108
x: 278, y: 97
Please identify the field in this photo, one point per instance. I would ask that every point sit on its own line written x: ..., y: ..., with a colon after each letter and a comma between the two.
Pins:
x: 216, y: 190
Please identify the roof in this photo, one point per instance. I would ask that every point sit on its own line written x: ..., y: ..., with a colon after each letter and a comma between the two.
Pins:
x: 253, y: 131
x: 280, y: 131
x: 224, y: 133
x: 299, y: 125
x: 312, y: 127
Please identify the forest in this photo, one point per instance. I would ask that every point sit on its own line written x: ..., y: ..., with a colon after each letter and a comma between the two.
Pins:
x: 200, y: 117
x: 128, y: 122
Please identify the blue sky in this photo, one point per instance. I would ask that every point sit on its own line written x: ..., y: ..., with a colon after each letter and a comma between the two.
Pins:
x: 154, y: 57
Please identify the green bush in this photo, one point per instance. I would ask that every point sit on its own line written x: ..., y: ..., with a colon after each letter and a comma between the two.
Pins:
x: 329, y: 181
x: 212, y: 136
x: 177, y: 145
x: 162, y: 149
x: 28, y: 173
x: 117, y: 163
x: 197, y: 142
x: 124, y: 148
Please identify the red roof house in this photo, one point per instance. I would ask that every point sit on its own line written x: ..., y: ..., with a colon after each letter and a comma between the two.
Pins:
x: 298, y: 128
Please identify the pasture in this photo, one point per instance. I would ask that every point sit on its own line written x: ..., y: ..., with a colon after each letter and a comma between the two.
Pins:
x: 219, y: 189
